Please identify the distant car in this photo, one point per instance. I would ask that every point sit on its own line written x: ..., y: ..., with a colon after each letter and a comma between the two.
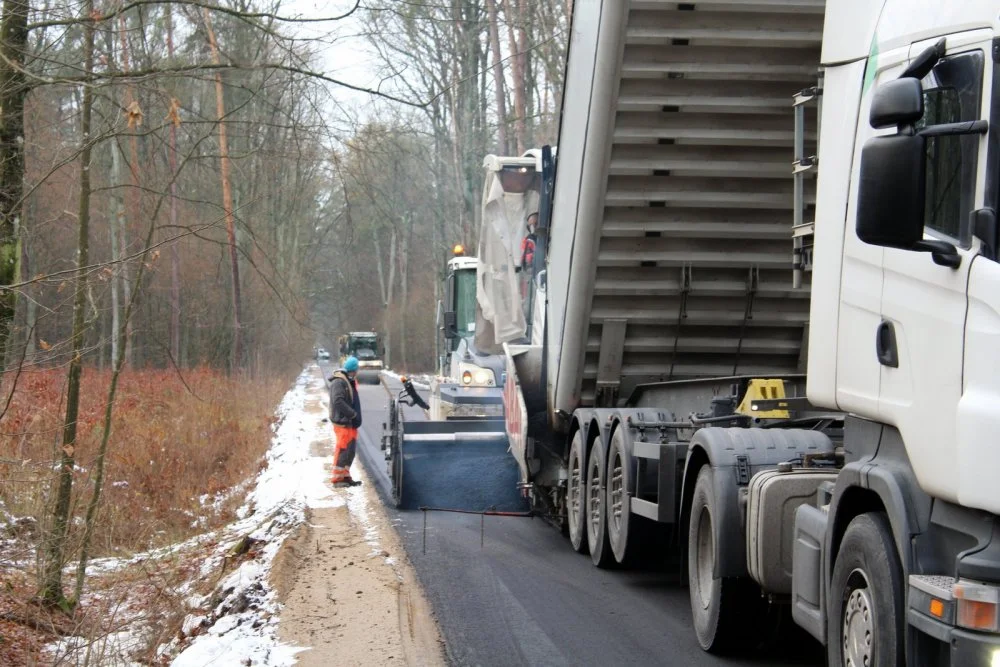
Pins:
x: 322, y: 355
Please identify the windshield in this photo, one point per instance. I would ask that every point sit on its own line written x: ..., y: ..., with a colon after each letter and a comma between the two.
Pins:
x: 363, y: 347
x: 465, y: 301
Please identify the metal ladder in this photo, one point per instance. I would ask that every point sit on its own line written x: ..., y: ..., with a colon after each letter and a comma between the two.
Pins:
x: 803, y: 232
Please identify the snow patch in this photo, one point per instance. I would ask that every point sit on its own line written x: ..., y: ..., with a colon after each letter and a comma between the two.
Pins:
x: 242, y: 627
x: 237, y: 624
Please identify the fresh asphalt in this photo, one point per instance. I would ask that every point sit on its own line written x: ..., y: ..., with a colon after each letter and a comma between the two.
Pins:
x: 526, y: 598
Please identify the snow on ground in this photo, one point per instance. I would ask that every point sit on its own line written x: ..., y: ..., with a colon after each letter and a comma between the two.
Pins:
x: 237, y: 625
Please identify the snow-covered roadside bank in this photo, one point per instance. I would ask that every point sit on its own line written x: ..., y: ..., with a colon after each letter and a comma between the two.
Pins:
x: 242, y: 628
x: 233, y: 611
x: 419, y: 381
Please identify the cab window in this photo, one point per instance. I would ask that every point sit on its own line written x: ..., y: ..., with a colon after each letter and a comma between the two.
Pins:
x: 952, y: 94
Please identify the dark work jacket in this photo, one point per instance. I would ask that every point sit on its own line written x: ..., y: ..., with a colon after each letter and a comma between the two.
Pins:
x: 345, y: 404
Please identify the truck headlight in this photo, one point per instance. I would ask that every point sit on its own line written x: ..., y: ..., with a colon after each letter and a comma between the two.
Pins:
x: 977, y: 607
x: 478, y: 376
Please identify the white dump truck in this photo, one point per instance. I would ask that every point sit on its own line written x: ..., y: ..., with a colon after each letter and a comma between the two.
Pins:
x: 789, y: 384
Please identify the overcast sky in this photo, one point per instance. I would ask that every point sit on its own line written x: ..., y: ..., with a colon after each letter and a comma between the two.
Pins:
x: 343, y: 51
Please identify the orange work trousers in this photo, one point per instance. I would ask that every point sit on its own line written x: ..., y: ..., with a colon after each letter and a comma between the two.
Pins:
x: 345, y: 445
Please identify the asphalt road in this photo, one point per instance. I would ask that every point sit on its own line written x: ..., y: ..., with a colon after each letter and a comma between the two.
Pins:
x: 526, y: 598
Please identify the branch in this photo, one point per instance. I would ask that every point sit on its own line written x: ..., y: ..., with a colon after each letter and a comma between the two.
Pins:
x: 147, y: 73
x: 194, y: 3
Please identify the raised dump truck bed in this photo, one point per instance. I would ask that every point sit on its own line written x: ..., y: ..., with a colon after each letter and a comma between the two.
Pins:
x: 671, y: 254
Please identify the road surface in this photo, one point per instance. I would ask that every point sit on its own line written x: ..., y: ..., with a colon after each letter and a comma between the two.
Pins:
x: 526, y: 598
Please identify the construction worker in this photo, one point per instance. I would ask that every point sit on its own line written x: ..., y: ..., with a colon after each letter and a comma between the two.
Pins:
x: 528, y: 244
x: 527, y: 260
x: 345, y: 414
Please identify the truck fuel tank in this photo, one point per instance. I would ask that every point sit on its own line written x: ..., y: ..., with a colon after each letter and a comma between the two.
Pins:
x: 773, y: 497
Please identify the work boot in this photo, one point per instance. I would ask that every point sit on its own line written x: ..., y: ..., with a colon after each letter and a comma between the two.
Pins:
x: 345, y: 483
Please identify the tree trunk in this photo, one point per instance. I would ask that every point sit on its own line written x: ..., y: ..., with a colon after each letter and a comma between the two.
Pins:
x: 498, y: 78
x: 117, y: 220
x: 520, y: 108
x: 527, y: 70
x: 13, y: 92
x: 51, y: 588
x: 386, y: 287
x: 31, y: 306
x: 175, y: 257
x: 134, y: 199
x: 15, y: 346
x: 227, y: 200
x: 404, y: 275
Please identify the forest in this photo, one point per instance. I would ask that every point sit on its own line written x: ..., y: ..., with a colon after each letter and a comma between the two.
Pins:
x: 193, y: 194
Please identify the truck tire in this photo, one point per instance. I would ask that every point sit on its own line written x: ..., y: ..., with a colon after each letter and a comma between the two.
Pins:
x: 866, y: 596
x: 727, y: 612
x: 595, y: 516
x: 618, y: 478
x: 576, y: 493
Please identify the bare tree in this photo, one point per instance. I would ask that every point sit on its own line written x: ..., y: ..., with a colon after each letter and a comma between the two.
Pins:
x: 13, y: 92
x: 52, y: 589
x: 518, y: 44
x: 175, y: 256
x: 498, y: 78
x: 227, y: 200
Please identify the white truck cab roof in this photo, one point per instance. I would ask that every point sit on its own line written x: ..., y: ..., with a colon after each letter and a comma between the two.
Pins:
x: 856, y: 28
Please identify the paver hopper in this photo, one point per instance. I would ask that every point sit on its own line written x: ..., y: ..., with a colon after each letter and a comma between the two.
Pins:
x: 461, y: 463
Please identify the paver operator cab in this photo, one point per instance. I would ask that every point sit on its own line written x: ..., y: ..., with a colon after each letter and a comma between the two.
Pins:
x: 797, y: 380
x: 469, y: 381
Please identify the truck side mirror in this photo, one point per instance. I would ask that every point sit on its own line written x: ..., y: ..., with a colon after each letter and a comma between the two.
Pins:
x: 893, y: 179
x: 899, y: 102
x: 450, y: 324
x: 891, y: 193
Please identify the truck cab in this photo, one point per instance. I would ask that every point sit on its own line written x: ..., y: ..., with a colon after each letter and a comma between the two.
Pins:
x: 905, y: 316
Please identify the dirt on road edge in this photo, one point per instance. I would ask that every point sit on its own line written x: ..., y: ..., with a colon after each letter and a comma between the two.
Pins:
x: 347, y: 589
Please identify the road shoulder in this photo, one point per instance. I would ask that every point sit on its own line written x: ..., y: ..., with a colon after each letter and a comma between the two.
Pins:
x: 347, y: 588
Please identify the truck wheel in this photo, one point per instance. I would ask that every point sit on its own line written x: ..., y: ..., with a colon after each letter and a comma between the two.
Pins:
x: 596, y: 518
x: 727, y: 612
x: 619, y: 480
x: 576, y: 494
x: 866, y: 596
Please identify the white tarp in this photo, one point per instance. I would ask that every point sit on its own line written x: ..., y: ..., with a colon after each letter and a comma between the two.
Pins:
x: 498, y: 284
